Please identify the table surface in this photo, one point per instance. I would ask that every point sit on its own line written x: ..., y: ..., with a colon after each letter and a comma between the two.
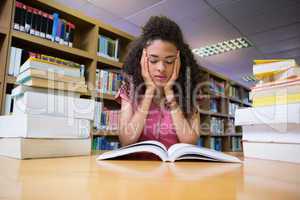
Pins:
x: 84, y: 178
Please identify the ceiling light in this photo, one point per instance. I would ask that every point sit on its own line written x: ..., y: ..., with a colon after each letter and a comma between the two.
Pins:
x: 250, y: 78
x: 222, y: 47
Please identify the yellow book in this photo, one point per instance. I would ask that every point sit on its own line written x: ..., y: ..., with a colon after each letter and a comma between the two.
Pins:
x: 258, y: 62
x: 276, y: 100
x: 58, y: 85
x: 262, y: 71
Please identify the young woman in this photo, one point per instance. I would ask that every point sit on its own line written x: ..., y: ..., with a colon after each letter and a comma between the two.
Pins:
x: 158, y: 91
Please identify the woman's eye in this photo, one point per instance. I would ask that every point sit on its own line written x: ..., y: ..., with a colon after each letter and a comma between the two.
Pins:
x: 169, y: 62
x: 153, y: 61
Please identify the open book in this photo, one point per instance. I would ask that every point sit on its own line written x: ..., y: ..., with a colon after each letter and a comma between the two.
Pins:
x: 178, y: 151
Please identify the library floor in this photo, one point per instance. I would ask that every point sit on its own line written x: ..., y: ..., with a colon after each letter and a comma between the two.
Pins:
x: 84, y: 178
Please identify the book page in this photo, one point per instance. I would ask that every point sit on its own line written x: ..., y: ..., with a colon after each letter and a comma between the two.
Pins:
x: 147, y: 146
x: 200, y: 153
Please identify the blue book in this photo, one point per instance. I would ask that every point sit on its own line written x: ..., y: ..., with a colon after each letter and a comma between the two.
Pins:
x: 55, y: 26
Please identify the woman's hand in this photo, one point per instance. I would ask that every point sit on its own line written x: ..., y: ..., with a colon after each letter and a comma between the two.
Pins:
x: 150, y: 85
x: 169, y: 85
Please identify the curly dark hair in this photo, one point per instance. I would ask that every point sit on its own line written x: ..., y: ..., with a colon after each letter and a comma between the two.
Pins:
x: 161, y: 27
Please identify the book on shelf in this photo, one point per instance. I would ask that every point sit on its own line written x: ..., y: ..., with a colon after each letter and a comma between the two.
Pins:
x: 234, y: 92
x: 106, y: 119
x: 176, y: 152
x: 215, y: 143
x: 269, y: 69
x: 36, y: 103
x: 42, y: 24
x: 103, y: 143
x: 232, y: 107
x: 9, y: 101
x: 217, y: 126
x: 19, y: 57
x: 27, y: 148
x: 108, y: 81
x: 43, y: 126
x: 108, y: 47
x: 236, y: 144
x: 217, y: 86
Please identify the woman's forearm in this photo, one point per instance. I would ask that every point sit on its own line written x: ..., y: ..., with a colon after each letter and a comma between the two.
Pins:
x: 185, y: 132
x: 131, y: 132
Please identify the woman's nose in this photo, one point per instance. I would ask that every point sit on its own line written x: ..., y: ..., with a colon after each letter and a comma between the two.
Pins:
x: 160, y: 66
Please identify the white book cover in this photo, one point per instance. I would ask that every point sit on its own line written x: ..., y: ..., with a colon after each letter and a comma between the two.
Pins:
x: 180, y: 151
x: 12, y: 61
x: 42, y: 126
x: 288, y: 152
x: 21, y: 89
x: 44, y: 65
x: 26, y: 148
x: 286, y: 113
x: 8, y: 103
x: 282, y: 133
x: 273, y: 67
x: 17, y: 61
x: 36, y: 103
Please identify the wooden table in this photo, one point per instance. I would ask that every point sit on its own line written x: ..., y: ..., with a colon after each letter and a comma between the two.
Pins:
x: 84, y: 178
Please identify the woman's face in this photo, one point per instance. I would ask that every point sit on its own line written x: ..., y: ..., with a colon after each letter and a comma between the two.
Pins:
x: 161, y: 57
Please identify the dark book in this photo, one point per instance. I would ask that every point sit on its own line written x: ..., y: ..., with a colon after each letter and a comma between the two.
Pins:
x: 71, y: 38
x: 34, y: 20
x: 17, y: 17
x: 62, y: 31
x: 38, y: 22
x: 28, y: 19
x: 22, y: 17
x: 44, y: 22
x: 49, y: 27
x: 67, y: 35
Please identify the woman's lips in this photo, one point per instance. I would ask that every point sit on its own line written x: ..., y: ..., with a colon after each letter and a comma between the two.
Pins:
x: 161, y: 78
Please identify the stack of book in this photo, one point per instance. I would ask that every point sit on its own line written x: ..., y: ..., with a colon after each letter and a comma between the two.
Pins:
x: 232, y: 107
x: 106, y: 119
x: 49, y: 118
x: 42, y: 24
x: 217, y: 86
x: 107, y: 81
x: 108, y: 47
x: 217, y: 126
x: 271, y: 128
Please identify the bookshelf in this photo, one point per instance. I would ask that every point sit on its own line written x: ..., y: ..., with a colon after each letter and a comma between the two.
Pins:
x: 85, y: 51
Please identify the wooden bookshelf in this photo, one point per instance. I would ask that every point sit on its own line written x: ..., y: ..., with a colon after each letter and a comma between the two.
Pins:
x: 110, y: 62
x: 84, y: 51
x: 43, y: 43
x: 10, y: 79
x: 105, y: 133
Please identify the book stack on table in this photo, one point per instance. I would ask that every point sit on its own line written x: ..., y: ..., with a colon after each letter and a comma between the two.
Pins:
x: 49, y: 118
x: 271, y: 129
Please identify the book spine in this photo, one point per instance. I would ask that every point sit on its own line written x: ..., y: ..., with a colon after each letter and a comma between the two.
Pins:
x: 38, y: 22
x: 49, y: 27
x: 28, y: 19
x: 55, y: 26
x: 72, y: 32
x: 44, y: 21
x: 17, y: 17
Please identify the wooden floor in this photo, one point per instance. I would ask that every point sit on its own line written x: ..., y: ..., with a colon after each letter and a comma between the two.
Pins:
x: 83, y: 178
